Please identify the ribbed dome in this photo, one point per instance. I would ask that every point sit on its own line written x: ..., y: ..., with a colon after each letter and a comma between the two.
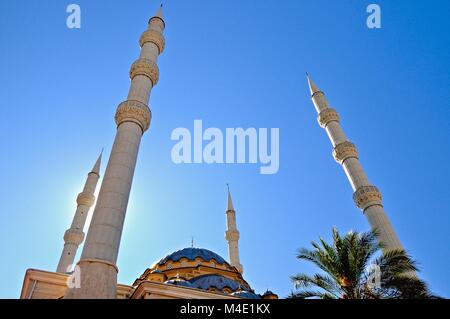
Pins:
x: 214, y: 281
x: 179, y: 282
x: 191, y: 254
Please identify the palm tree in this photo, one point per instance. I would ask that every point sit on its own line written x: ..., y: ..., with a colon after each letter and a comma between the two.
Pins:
x: 354, y: 268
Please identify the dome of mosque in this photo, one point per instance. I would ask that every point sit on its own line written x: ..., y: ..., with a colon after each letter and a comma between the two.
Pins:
x: 206, y: 282
x: 202, y: 269
x: 179, y: 282
x: 191, y: 254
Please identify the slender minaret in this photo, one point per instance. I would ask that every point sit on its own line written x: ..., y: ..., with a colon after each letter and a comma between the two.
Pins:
x: 97, y: 266
x: 74, y: 236
x: 232, y: 235
x: 366, y: 196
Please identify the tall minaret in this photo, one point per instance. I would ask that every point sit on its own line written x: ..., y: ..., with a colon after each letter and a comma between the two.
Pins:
x: 232, y: 235
x: 98, y: 270
x: 74, y: 236
x: 366, y: 196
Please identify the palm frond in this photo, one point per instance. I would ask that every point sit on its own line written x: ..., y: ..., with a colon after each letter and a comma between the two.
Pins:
x: 345, y: 270
x: 326, y: 283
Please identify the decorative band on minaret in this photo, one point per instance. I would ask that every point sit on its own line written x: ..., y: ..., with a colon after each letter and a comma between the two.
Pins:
x: 366, y: 196
x: 97, y: 266
x: 74, y: 236
x: 232, y: 236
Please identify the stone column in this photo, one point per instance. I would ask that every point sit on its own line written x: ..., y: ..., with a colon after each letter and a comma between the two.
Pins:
x: 74, y: 236
x: 98, y: 270
x: 366, y: 196
x: 232, y: 236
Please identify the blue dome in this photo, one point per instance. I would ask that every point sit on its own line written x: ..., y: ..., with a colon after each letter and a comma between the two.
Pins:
x: 191, y: 254
x: 214, y: 281
x: 179, y: 282
x: 246, y: 294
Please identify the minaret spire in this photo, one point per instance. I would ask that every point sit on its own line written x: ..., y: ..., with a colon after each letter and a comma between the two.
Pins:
x: 74, y: 236
x: 366, y: 196
x: 312, y: 86
x: 96, y: 168
x: 232, y: 235
x: 230, y: 201
x: 159, y: 13
x: 98, y: 270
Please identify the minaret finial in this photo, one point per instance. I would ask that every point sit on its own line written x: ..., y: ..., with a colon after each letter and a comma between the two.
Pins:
x: 159, y: 13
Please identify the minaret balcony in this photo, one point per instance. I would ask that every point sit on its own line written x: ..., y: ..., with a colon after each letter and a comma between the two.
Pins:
x: 134, y: 111
x: 147, y: 68
x: 344, y: 151
x: 73, y: 236
x: 154, y: 37
x: 327, y: 116
x: 85, y: 199
x: 366, y: 196
x: 232, y: 235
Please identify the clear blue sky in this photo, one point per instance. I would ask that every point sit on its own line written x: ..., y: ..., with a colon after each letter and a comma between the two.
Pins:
x: 231, y: 64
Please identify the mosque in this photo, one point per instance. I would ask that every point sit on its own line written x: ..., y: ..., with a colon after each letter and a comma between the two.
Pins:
x: 190, y: 273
